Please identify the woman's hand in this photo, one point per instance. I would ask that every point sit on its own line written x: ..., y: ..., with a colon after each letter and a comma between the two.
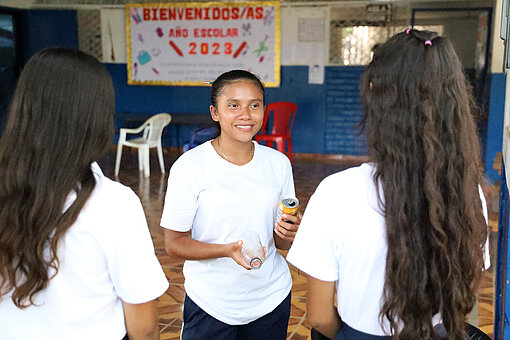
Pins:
x: 237, y: 256
x: 287, y: 227
x: 285, y: 231
x: 235, y: 253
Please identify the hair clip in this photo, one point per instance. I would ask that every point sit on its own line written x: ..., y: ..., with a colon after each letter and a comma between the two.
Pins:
x: 428, y: 42
x: 408, y: 30
x: 208, y: 82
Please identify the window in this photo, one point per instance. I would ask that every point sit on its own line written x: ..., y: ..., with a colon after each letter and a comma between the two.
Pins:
x: 354, y: 44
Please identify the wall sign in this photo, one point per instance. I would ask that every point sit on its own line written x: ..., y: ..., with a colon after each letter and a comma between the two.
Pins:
x: 378, y: 14
x: 192, y: 43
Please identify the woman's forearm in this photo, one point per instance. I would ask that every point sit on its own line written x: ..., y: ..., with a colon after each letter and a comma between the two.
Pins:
x: 327, y: 326
x: 180, y: 245
x: 321, y: 312
x: 141, y: 320
x: 280, y: 243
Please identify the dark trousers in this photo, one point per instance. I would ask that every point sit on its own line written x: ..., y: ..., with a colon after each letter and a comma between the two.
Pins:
x: 348, y: 333
x: 198, y: 325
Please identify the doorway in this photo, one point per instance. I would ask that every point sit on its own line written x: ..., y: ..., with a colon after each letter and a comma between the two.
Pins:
x: 10, y: 59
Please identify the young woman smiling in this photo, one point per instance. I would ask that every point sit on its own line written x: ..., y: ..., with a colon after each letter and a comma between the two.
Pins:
x: 215, y: 192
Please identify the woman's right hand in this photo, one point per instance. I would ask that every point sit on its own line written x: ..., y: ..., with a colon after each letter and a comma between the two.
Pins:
x: 235, y: 253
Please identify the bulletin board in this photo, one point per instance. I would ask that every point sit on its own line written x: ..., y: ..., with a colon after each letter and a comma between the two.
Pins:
x: 190, y: 44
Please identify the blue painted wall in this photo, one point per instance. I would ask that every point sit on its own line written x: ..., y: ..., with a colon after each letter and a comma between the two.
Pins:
x: 309, y: 127
x: 45, y: 28
x: 495, y: 125
x: 502, y: 303
x: 343, y: 112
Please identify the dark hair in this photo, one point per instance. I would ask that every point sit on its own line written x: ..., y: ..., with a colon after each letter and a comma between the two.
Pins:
x: 422, y: 137
x: 60, y: 121
x: 230, y: 77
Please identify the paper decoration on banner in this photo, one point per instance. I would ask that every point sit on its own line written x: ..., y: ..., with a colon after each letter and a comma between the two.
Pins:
x: 190, y: 43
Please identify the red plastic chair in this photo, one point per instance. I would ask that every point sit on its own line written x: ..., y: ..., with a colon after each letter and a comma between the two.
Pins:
x: 284, y: 114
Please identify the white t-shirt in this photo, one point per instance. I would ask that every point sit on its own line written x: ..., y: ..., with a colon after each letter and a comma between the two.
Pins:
x: 342, y: 238
x: 217, y: 200
x: 106, y: 257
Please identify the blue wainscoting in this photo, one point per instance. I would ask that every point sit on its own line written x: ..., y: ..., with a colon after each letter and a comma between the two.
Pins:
x: 312, y: 126
x: 495, y: 124
x: 502, y: 303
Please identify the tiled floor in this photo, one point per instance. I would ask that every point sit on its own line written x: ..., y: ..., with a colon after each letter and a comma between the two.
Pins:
x: 307, y: 175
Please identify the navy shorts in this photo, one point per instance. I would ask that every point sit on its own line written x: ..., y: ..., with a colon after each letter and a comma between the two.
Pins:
x: 349, y: 333
x: 198, y: 325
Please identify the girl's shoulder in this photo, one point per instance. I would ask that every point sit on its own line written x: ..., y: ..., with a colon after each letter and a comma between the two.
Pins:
x: 199, y: 150
x: 354, y: 177
x: 194, y: 155
x: 109, y: 199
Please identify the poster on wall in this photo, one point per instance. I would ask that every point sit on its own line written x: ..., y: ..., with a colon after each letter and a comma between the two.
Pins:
x: 190, y: 44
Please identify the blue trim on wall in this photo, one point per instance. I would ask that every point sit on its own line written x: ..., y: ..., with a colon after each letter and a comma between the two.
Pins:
x: 309, y: 127
x: 344, y: 111
x: 495, y: 125
x: 501, y: 325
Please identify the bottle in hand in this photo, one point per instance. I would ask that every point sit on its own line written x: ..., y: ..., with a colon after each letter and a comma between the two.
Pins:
x: 253, y: 253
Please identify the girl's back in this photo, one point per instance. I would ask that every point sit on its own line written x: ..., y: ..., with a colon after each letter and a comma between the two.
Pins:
x: 423, y: 144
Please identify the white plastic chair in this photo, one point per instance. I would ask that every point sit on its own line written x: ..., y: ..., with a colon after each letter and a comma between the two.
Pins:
x: 152, y: 129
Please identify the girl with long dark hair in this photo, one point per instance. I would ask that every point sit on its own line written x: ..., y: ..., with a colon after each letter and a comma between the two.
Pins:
x: 405, y: 247
x: 76, y: 257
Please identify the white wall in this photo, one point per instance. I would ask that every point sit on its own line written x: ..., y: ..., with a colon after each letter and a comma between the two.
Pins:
x: 296, y: 52
x: 113, y: 35
x: 17, y: 3
x: 497, y: 44
x: 497, y: 67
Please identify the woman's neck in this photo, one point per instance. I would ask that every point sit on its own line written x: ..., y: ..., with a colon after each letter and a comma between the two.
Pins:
x: 238, y: 153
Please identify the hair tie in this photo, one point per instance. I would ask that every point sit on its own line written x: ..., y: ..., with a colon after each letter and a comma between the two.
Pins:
x: 408, y: 30
x: 428, y: 42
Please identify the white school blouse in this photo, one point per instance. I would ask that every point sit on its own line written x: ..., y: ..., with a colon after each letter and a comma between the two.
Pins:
x: 217, y: 200
x: 342, y: 238
x: 106, y: 257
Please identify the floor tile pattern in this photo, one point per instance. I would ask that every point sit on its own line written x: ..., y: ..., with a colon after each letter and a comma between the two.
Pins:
x: 307, y: 175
